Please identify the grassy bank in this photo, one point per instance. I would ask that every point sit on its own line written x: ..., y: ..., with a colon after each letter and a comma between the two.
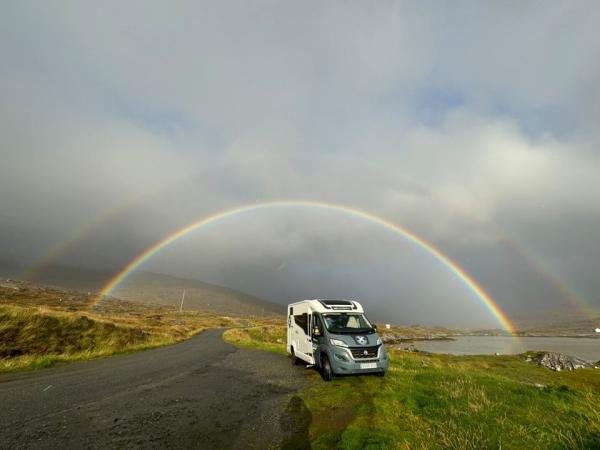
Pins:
x: 265, y: 337
x: 32, y: 338
x: 441, y: 401
x: 41, y: 326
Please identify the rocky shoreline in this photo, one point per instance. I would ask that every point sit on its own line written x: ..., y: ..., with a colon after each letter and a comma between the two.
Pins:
x: 392, y: 338
x: 559, y: 361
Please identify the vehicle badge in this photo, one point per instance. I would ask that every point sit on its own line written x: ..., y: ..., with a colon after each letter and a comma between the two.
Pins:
x: 360, y: 340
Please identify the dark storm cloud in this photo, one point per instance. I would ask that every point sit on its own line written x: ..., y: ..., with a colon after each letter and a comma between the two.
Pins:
x: 470, y: 124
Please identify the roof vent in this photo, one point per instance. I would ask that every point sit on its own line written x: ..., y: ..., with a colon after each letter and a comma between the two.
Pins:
x: 338, y: 305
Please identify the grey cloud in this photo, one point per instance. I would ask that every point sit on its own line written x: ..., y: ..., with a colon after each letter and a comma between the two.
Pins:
x: 467, y: 124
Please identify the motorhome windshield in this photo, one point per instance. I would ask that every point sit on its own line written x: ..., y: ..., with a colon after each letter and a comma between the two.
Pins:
x: 347, y: 323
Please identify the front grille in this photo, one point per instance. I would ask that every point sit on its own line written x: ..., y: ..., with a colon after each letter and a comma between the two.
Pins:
x: 359, y: 352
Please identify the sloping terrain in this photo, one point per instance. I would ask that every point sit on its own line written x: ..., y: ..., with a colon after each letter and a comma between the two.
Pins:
x: 566, y: 322
x: 27, y: 331
x: 40, y: 325
x: 157, y: 289
x: 147, y: 287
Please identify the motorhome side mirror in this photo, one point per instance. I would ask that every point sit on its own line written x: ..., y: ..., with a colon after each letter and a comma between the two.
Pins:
x: 316, y: 331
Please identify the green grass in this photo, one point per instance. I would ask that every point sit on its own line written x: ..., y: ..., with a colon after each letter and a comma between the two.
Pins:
x: 31, y: 339
x: 265, y: 337
x: 38, y: 337
x: 42, y: 326
x: 448, y: 402
x: 41, y: 361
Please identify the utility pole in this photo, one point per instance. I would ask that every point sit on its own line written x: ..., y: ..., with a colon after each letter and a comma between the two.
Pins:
x: 182, y: 299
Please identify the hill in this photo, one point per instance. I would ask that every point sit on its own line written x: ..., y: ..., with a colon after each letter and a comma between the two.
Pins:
x: 166, y: 290
x: 565, y: 322
x: 154, y: 289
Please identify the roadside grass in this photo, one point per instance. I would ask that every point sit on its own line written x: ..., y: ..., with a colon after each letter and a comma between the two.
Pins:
x: 37, y: 337
x: 263, y: 337
x: 41, y: 326
x: 431, y: 401
x: 30, y: 338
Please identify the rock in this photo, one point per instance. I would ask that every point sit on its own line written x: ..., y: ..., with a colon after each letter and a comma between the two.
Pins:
x: 390, y: 337
x: 558, y: 361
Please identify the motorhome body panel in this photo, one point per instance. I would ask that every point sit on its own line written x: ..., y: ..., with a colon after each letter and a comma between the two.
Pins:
x: 299, y: 322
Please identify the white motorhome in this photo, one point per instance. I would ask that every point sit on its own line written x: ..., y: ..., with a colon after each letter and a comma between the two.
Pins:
x: 335, y: 336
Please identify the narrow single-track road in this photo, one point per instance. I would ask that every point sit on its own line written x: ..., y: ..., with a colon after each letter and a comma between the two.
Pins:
x: 201, y: 393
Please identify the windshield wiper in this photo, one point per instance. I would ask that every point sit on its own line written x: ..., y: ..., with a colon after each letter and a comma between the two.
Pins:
x: 352, y: 330
x: 341, y: 331
x: 365, y: 330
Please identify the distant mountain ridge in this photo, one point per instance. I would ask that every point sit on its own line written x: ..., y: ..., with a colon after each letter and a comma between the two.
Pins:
x: 168, y: 290
x: 152, y: 288
x: 159, y: 289
x: 560, y: 322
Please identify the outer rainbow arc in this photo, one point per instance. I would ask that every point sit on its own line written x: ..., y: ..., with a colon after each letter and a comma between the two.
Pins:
x: 567, y: 291
x: 484, y: 297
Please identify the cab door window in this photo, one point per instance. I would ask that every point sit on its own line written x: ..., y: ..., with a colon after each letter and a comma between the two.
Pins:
x: 316, y: 323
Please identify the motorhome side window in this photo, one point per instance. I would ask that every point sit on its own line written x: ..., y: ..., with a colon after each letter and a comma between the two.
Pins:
x: 302, y: 321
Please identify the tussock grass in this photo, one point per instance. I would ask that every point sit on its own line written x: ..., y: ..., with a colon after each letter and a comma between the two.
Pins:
x: 32, y: 338
x: 41, y: 326
x: 448, y: 402
x: 25, y: 331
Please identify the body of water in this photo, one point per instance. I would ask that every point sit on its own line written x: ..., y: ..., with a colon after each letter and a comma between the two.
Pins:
x: 584, y: 348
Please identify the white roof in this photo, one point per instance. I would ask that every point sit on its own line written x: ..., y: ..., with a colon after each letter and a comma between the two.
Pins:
x: 331, y: 306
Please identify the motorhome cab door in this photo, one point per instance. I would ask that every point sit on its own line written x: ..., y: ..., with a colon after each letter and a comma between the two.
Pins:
x: 300, y: 333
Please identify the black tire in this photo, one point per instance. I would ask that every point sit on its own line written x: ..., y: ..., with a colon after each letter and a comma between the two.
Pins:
x: 326, y: 370
x: 294, y: 358
x: 380, y: 374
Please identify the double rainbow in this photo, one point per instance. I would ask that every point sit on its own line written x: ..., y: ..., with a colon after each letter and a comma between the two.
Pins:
x: 484, y: 297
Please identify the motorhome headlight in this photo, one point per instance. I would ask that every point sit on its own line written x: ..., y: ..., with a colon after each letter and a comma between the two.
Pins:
x: 378, y: 341
x: 338, y: 343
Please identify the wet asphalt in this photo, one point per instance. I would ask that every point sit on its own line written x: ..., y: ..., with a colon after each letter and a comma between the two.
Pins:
x: 201, y: 393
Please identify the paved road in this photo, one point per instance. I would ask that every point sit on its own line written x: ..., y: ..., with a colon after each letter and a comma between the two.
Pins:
x: 202, y: 393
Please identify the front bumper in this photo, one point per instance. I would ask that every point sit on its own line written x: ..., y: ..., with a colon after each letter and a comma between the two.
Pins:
x: 342, y: 362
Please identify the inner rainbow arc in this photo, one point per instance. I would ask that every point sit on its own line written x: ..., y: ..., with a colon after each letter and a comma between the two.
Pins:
x: 484, y: 297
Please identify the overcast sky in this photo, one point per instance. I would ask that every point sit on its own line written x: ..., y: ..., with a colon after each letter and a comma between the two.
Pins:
x: 474, y: 124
